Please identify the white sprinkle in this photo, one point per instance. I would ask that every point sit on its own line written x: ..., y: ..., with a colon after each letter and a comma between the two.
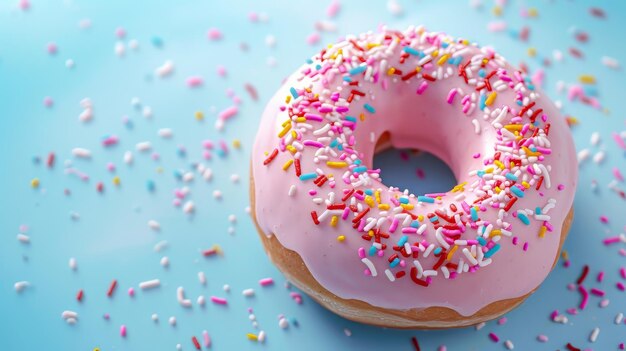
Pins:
x: 261, y: 336
x: 165, y: 69
x: 348, y: 332
x: 147, y: 112
x: 248, y: 292
x: 128, y: 157
x: 394, y: 8
x: 270, y: 41
x: 81, y: 153
x: 23, y: 238
x: 143, y: 146
x: 509, y: 345
x: 479, y: 326
x: 292, y: 190
x: 189, y: 207
x: 150, y: 284
x: 217, y: 194
x: 619, y: 318
x: 155, y: 317
x: 119, y: 49
x: 583, y: 155
x: 283, y: 323
x: 69, y: 63
x: 476, y: 126
x: 201, y: 300
x: 610, y: 62
x: 160, y: 246
x: 234, y: 178
x: 390, y: 275
x: 202, y: 278
x: 165, y: 262
x: 69, y: 314
x: 595, y: 138
x: 20, y: 286
x: 180, y: 296
x: 594, y: 334
x: 370, y: 266
x: 599, y: 157
x: 154, y: 225
x: 172, y: 321
x: 73, y: 264
x: 165, y: 133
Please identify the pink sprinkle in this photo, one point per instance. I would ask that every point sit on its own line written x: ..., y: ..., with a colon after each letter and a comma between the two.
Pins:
x: 194, y: 81
x: 597, y: 292
x: 422, y: 88
x: 622, y: 272
x: 221, y: 71
x: 494, y: 337
x: 266, y: 281
x: 123, y: 331
x: 560, y: 187
x: 218, y: 300
x: 214, y: 34
x: 24, y: 5
x: 600, y: 277
x: 611, y: 240
x: 585, y: 297
x: 313, y: 38
x: 48, y: 102
x: 542, y: 338
x: 253, y: 17
x: 496, y: 26
x: 228, y: 113
x: 52, y: 48
x: 620, y: 286
x: 120, y: 32
x: 604, y: 219
x: 476, y: 155
x: 333, y: 9
x: 451, y: 96
x: 502, y: 320
x: 110, y: 140
x: 619, y: 141
x: 617, y: 174
x: 131, y: 292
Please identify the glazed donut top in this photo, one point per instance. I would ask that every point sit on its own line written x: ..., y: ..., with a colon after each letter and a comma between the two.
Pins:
x: 493, y: 236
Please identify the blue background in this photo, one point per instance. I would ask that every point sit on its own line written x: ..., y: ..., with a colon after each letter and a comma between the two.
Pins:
x: 111, y: 240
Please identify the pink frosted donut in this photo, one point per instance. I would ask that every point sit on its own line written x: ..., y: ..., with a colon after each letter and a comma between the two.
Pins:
x: 377, y: 254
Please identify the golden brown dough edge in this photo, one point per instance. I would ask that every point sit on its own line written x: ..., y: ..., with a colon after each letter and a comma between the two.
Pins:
x: 291, y: 265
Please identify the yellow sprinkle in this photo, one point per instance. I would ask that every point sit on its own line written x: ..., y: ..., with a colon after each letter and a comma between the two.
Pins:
x: 420, y: 218
x: 294, y: 134
x: 459, y: 187
x: 525, y: 184
x: 369, y: 201
x: 491, y: 98
x: 497, y: 11
x: 435, y: 53
x: 489, y: 170
x: 370, y: 233
x: 384, y: 207
x: 391, y: 71
x: 377, y: 195
x: 497, y: 190
x: 333, y: 221
x: 159, y: 170
x: 285, y: 123
x: 341, y: 238
x: 495, y: 232
x: 236, y: 143
x: 362, y: 117
x: 512, y: 127
x: 291, y: 149
x: 532, y: 52
x: 287, y: 165
x: 587, y: 79
x: 372, y: 45
x: 199, y: 115
x: 252, y: 337
x: 565, y: 255
x: 532, y: 12
x: 529, y: 152
x: 287, y: 99
x: 443, y: 59
x: 336, y: 164
x: 451, y: 252
x: 499, y: 164
x: 34, y: 183
x: 116, y: 180
x: 542, y: 231
x: 407, y: 206
x: 301, y: 119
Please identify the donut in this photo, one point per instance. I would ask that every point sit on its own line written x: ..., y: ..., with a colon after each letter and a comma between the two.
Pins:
x: 380, y: 255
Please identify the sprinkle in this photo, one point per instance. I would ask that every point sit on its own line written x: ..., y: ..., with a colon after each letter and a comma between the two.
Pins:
x: 266, y: 281
x: 357, y: 70
x: 150, y: 284
x: 427, y: 199
x: 271, y: 157
x: 112, y: 287
x: 218, y: 300
x: 369, y: 108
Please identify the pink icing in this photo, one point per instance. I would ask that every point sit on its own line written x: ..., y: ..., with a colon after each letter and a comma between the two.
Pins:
x: 440, y: 113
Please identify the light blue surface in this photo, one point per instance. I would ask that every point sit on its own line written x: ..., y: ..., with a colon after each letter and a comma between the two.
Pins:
x: 111, y: 240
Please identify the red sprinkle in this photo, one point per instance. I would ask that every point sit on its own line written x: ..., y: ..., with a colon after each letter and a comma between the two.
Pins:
x: 583, y: 275
x: 416, y: 344
x: 112, y: 288
x: 195, y: 342
x: 79, y: 296
x: 271, y: 157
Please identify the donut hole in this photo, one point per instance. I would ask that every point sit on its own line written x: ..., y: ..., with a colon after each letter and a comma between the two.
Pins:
x: 418, y: 171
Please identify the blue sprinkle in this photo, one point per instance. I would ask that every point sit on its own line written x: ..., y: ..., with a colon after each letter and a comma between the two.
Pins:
x: 519, y: 102
x: 537, y: 210
x: 373, y: 250
x: 511, y: 176
x: 178, y: 174
x: 434, y: 219
x: 410, y: 50
x: 340, y: 147
x: 403, y: 240
x: 351, y: 119
x: 403, y: 200
x: 157, y: 42
x: 369, y: 108
x: 481, y: 102
x: 294, y: 92
x: 430, y: 200
x: 474, y: 214
x: 481, y: 241
x: 357, y: 162
x: 357, y: 70
x: 516, y: 191
x: 334, y: 143
x: 150, y: 185
x: 493, y: 250
x: 481, y: 73
x: 522, y: 217
x: 395, y: 262
x: 444, y: 45
x: 347, y: 79
x: 308, y: 176
x: 415, y: 224
x: 437, y: 251
x: 318, y: 67
x: 309, y: 61
x: 294, y: 322
x: 360, y: 169
x: 369, y: 192
x: 480, y: 173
